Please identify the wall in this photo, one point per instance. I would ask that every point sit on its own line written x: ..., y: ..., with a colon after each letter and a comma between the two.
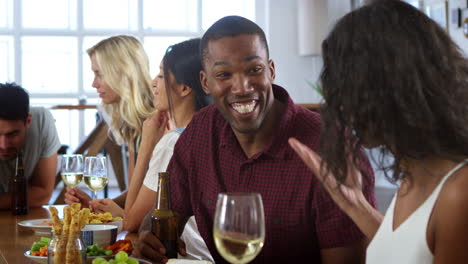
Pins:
x: 293, y: 70
x: 455, y: 32
x: 279, y: 19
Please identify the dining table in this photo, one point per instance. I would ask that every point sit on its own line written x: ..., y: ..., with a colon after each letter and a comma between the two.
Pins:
x: 15, y: 240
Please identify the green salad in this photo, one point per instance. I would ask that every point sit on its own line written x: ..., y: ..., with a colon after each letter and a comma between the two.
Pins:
x: 37, y: 245
x: 121, y: 257
x: 95, y: 250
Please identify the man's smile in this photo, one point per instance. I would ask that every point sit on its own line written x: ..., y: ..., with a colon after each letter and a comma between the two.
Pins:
x: 244, y: 107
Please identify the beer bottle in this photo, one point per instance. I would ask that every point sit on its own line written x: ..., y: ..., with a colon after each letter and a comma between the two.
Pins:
x: 19, y: 189
x: 163, y: 220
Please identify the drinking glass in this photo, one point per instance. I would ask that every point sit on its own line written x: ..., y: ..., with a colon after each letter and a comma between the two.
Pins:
x: 72, y: 169
x: 239, y: 226
x: 95, y: 174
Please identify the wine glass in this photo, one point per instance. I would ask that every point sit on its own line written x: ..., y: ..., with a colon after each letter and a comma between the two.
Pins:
x: 95, y: 174
x: 72, y: 169
x: 239, y: 226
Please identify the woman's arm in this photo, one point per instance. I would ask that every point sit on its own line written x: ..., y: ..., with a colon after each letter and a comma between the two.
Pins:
x: 153, y: 129
x: 131, y: 161
x: 348, y: 196
x: 144, y: 202
x: 136, y: 182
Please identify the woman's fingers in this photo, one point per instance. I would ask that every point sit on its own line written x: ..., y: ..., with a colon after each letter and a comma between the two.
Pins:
x: 310, y: 158
x: 313, y: 161
x: 163, y: 120
x: 70, y: 196
x: 346, y: 194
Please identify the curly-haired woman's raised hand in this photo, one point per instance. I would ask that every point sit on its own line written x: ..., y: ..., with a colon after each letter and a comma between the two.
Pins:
x: 348, y: 195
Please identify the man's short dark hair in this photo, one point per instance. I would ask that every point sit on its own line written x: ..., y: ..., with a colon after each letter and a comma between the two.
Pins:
x: 14, y: 102
x: 231, y: 26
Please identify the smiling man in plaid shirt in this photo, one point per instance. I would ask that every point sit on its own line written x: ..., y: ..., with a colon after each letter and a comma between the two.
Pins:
x: 239, y: 144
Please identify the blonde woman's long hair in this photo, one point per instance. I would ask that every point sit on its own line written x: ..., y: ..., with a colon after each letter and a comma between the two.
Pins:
x: 125, y: 68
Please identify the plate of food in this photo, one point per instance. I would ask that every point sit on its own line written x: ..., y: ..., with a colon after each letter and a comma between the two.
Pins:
x: 105, y: 219
x: 39, y: 251
x: 43, y: 259
x: 36, y: 259
x: 44, y: 225
x: 39, y: 225
x: 93, y: 259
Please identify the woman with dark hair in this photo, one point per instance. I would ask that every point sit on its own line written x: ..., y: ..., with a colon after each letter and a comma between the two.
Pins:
x: 394, y: 79
x: 178, y: 95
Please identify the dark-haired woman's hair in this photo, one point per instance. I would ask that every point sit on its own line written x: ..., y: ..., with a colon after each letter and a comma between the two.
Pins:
x: 184, y: 62
x: 394, y: 78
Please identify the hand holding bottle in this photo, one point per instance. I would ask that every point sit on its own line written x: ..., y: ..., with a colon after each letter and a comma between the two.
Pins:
x: 150, y: 247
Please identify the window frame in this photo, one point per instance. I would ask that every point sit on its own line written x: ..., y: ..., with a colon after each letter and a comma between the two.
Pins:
x: 17, y: 31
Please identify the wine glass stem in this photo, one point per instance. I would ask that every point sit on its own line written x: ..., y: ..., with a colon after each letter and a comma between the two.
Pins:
x: 94, y: 196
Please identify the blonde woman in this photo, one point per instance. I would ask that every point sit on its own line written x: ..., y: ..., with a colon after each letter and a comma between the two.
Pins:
x: 178, y: 96
x: 123, y: 82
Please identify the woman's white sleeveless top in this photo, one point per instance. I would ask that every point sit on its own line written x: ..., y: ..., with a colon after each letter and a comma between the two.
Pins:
x: 407, y: 244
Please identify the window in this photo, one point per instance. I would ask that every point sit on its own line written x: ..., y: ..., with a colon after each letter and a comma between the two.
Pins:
x: 43, y: 44
x: 176, y: 15
x: 49, y: 64
x: 216, y: 9
x: 156, y: 48
x: 49, y: 14
x: 6, y: 20
x: 7, y: 71
x: 96, y: 14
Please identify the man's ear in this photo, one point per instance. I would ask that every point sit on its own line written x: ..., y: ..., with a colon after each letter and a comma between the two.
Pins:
x: 28, y: 121
x: 271, y: 66
x: 204, y: 81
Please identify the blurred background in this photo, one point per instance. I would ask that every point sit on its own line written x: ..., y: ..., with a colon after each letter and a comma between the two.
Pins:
x: 43, y: 44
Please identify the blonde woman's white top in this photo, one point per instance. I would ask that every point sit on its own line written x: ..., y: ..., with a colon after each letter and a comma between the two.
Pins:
x: 407, y: 244
x: 162, y: 154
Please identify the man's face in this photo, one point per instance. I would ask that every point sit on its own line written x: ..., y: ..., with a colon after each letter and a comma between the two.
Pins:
x: 12, y: 136
x: 239, y: 76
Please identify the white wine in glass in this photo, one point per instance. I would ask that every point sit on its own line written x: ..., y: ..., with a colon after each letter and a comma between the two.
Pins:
x: 95, y: 174
x: 239, y: 226
x: 72, y: 170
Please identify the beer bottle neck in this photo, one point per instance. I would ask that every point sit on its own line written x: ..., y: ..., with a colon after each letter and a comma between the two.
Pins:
x: 19, y: 163
x: 164, y: 203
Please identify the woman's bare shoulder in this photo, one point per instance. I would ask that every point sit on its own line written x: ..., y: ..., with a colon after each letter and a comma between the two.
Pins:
x: 450, y: 216
x: 455, y: 189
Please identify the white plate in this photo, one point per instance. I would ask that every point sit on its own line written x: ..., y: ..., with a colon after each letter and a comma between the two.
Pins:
x: 43, y: 260
x: 37, y: 259
x: 38, y: 225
